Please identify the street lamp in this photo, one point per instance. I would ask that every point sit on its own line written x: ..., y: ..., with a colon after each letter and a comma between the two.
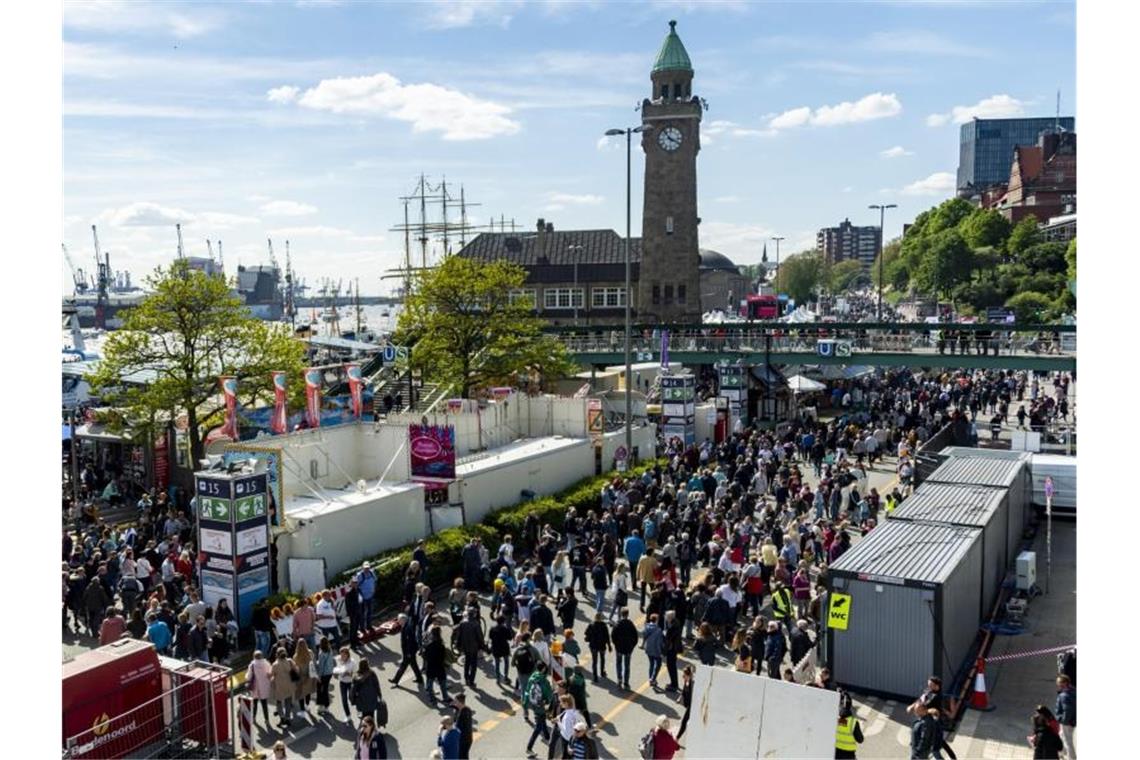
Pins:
x: 777, y: 239
x: 882, y: 212
x: 628, y: 132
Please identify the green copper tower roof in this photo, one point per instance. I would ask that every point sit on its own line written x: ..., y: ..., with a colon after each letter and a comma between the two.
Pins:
x: 672, y: 56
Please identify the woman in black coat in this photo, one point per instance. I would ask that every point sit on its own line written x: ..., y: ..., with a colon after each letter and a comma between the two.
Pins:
x: 435, y: 663
x: 366, y: 690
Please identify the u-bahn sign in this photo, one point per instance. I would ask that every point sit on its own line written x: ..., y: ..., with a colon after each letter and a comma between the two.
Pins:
x: 831, y: 347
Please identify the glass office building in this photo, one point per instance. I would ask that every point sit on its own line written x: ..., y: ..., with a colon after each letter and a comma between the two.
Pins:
x: 986, y: 149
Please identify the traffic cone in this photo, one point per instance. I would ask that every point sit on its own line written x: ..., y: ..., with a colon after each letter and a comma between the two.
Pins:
x: 979, y: 700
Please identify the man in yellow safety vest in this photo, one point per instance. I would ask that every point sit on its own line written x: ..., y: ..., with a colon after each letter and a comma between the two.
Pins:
x: 781, y: 604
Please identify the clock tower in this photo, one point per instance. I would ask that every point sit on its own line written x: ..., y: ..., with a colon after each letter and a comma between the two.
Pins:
x: 669, y: 278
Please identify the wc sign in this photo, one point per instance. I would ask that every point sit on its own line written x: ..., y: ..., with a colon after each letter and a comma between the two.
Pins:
x: 839, y: 611
x: 392, y: 354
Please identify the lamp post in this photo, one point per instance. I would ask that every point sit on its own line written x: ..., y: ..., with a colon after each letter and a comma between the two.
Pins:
x: 882, y: 212
x: 628, y: 132
x: 775, y: 285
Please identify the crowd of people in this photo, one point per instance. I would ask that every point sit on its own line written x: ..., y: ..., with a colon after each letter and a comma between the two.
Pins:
x: 718, y: 555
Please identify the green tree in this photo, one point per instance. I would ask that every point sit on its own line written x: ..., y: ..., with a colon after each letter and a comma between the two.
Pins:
x: 801, y: 275
x: 948, y: 215
x: 190, y: 330
x: 1045, y: 257
x: 1023, y: 236
x: 1071, y: 259
x: 465, y: 330
x: 843, y: 275
x: 1029, y: 307
x: 891, y: 253
x: 948, y: 262
x: 985, y: 228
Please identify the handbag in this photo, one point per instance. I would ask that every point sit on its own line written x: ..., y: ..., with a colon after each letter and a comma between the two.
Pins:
x: 294, y: 676
x: 313, y: 669
x: 621, y: 598
x: 382, y: 713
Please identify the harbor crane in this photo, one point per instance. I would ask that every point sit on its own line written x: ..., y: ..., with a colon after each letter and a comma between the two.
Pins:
x: 78, y: 276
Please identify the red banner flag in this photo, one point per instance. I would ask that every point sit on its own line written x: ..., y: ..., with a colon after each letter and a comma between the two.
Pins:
x: 229, y: 391
x: 355, y: 388
x: 280, y: 421
x: 313, y: 397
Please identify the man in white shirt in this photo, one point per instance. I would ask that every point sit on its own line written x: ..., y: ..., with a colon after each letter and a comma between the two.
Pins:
x: 326, y: 617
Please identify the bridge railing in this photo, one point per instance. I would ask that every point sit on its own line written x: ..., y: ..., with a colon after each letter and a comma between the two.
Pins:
x: 1030, y: 341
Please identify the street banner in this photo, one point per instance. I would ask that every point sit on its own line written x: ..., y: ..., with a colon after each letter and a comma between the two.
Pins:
x: 595, y: 422
x: 279, y: 423
x: 313, y: 397
x: 665, y: 349
x: 433, y: 451
x: 229, y: 391
x: 355, y: 388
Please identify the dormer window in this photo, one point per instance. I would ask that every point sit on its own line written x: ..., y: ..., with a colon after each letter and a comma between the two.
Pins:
x: 677, y: 90
x: 665, y: 91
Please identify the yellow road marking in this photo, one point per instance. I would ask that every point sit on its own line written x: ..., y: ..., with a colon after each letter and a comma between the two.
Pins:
x: 513, y: 705
x: 626, y: 702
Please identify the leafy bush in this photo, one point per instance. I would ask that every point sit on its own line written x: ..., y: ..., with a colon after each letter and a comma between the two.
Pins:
x: 445, y: 548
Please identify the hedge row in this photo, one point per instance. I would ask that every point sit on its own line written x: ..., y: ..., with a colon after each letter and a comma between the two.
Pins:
x: 445, y: 548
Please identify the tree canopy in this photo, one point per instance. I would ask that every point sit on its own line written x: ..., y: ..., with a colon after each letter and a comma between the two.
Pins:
x: 801, y: 274
x: 466, y: 329
x: 978, y: 259
x: 188, y: 332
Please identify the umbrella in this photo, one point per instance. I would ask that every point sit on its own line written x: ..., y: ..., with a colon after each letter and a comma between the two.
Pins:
x: 801, y: 384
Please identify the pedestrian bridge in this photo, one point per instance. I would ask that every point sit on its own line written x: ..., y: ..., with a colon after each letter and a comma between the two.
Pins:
x: 909, y: 344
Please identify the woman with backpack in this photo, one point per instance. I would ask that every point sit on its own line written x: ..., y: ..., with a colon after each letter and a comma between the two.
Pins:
x: 659, y: 744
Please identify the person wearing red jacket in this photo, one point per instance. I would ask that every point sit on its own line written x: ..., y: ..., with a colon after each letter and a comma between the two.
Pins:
x: 664, y: 744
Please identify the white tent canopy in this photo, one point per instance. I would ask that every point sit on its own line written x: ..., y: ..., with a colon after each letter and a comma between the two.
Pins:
x: 801, y: 384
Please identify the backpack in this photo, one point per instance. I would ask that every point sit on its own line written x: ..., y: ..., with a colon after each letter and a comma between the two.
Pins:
x: 534, y: 696
x: 523, y: 659
x: 645, y: 746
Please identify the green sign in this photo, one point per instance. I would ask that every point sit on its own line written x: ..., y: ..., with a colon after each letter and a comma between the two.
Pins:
x: 249, y: 507
x: 214, y: 509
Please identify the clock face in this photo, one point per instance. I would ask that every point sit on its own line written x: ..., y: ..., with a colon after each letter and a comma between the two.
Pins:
x: 670, y: 139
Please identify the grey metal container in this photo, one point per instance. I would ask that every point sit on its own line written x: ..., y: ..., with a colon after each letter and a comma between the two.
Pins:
x: 914, y: 590
x: 1011, y: 473
x: 982, y: 507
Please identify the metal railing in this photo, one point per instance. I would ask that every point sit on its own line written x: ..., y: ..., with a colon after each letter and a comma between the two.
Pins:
x: 1008, y: 342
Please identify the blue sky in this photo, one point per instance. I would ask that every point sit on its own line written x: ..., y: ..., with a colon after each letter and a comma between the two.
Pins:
x: 307, y: 120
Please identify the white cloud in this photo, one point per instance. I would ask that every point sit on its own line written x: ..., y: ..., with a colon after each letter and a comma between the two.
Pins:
x: 719, y: 127
x: 796, y: 117
x: 993, y: 107
x: 324, y: 232
x: 868, y: 108
x: 743, y: 243
x: 727, y: 199
x: 453, y: 14
x: 896, y: 152
x: 427, y: 107
x: 848, y: 189
x: 939, y: 183
x: 873, y: 106
x: 119, y: 16
x: 920, y: 42
x: 287, y: 208
x: 605, y: 142
x: 149, y: 214
x: 284, y: 94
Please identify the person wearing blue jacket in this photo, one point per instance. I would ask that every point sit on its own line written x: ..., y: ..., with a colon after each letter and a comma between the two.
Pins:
x: 774, y: 649
x: 653, y: 640
x: 448, y: 739
x: 366, y: 584
x: 634, y: 547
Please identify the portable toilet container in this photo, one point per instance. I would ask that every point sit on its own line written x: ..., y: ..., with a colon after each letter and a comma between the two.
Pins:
x: 911, y: 593
x: 982, y: 507
x: 1008, y: 472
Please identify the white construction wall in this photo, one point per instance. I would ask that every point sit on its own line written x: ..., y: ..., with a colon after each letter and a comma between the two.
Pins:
x: 737, y: 715
x: 352, y: 527
x: 544, y: 468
